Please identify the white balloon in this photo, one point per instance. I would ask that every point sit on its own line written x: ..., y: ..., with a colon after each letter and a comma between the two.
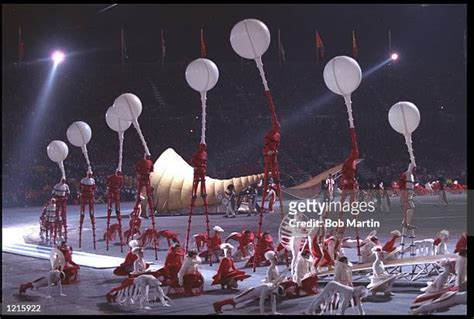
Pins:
x: 115, y: 122
x: 79, y: 133
x: 342, y: 75
x: 202, y: 75
x: 250, y: 38
x: 57, y: 151
x: 404, y: 117
x: 128, y: 106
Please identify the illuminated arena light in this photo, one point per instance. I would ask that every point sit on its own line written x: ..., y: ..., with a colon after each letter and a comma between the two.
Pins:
x: 58, y: 57
x: 394, y: 56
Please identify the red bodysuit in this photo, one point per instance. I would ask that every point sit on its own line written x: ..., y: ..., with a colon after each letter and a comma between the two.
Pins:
x: 71, y: 269
x: 227, y: 272
x: 264, y: 244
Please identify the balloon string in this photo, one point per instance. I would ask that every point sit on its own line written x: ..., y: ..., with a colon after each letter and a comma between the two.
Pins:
x: 203, y: 120
x: 347, y: 99
x: 86, y: 155
x: 409, y: 144
x: 262, y: 73
x: 61, y: 167
x: 121, y: 137
x: 137, y: 127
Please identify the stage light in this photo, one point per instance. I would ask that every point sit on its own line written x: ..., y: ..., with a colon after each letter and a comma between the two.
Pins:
x: 394, y: 56
x: 58, y: 57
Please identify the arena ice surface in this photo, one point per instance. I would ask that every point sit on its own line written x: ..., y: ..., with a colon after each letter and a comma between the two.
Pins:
x: 88, y: 297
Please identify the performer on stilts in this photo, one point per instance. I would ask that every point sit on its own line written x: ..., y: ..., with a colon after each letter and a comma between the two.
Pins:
x: 86, y: 196
x: 61, y: 193
x: 243, y: 40
x: 201, y: 75
x: 128, y: 107
x: 342, y: 76
x: 79, y: 134
x: 114, y: 185
x: 404, y: 118
x: 115, y: 181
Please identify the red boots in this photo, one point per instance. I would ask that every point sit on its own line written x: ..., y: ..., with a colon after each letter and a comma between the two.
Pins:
x: 218, y: 305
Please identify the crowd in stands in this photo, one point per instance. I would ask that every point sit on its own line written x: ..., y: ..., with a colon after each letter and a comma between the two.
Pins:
x: 315, y: 134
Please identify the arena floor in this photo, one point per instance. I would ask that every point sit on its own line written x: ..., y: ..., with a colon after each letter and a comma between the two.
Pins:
x: 88, y: 296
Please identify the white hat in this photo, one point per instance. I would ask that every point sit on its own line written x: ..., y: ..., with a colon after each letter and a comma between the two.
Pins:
x: 444, y: 232
x: 226, y: 246
x: 396, y: 232
x: 218, y: 229
x: 270, y: 255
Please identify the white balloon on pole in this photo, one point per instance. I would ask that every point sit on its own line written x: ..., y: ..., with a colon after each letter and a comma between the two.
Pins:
x: 128, y: 106
x: 404, y: 117
x: 57, y: 151
x: 342, y: 75
x: 79, y: 133
x: 115, y: 122
x: 202, y: 75
x: 250, y: 38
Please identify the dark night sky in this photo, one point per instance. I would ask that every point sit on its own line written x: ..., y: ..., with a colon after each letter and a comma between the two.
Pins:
x: 433, y: 33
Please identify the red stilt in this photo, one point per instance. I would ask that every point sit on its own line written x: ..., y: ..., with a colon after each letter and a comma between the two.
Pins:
x: 199, y: 161
x: 143, y: 169
x: 109, y: 212
x: 81, y: 221
x: 114, y: 184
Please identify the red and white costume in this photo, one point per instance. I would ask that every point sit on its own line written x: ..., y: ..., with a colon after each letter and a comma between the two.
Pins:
x: 61, y: 193
x: 440, y: 243
x: 246, y: 240
x: 227, y: 274
x: 264, y: 244
x: 330, y: 187
x: 114, y: 185
x: 189, y: 276
x: 86, y: 196
x: 390, y: 245
x: 305, y: 273
x: 407, y: 192
x: 213, y: 245
x: 49, y: 226
x: 173, y: 262
x: 70, y: 269
x: 271, y: 196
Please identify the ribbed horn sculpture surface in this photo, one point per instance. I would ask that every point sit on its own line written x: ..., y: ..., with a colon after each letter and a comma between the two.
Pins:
x: 172, y: 180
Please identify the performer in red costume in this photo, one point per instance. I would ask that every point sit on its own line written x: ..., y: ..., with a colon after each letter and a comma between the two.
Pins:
x: 61, y: 193
x: 348, y: 183
x: 169, y: 235
x: 168, y: 275
x: 227, y: 274
x: 246, y: 240
x: 213, y: 245
x: 264, y: 244
x: 189, y: 276
x: 126, y: 267
x: 144, y: 168
x: 271, y: 167
x: 114, y: 185
x: 86, y: 196
x: 199, y: 163
x: 461, y: 244
x: 71, y: 269
x: 390, y: 245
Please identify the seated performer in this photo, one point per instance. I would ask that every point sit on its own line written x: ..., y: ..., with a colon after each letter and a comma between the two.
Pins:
x: 380, y: 281
x: 213, y: 245
x: 246, y: 243
x: 264, y: 244
x: 139, y: 265
x: 270, y: 287
x: 189, y: 276
x: 368, y: 244
x: 305, y: 273
x: 389, y: 247
x: 343, y: 271
x: 173, y: 262
x: 440, y: 243
x: 126, y: 267
x: 227, y: 274
x: 70, y: 269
